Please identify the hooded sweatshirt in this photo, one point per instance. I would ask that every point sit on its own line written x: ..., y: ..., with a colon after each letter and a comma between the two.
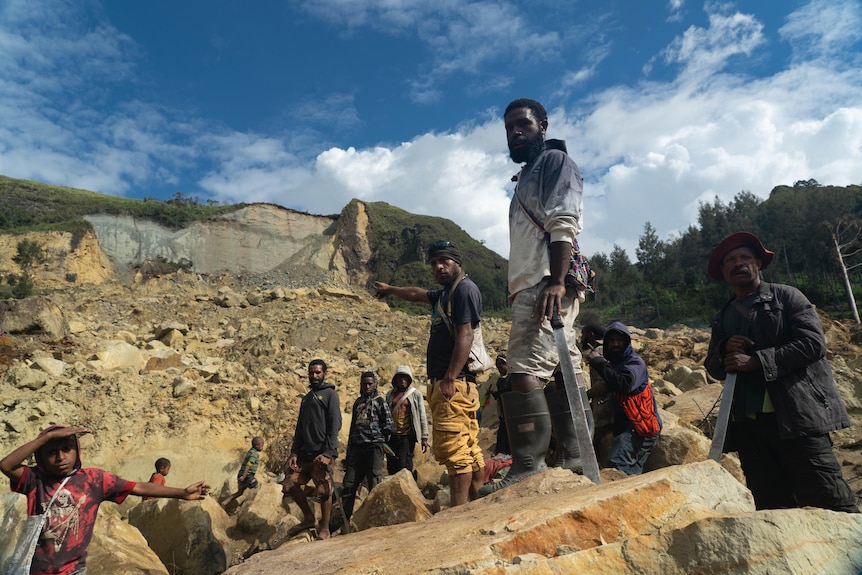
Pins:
x: 318, y: 424
x: 626, y: 375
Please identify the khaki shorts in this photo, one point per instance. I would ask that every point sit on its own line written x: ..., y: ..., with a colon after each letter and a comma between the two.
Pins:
x: 309, y: 471
x: 455, y: 428
x: 531, y: 343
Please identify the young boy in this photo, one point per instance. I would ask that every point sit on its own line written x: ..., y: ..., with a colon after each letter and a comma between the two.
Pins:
x: 62, y: 547
x: 163, y: 467
x: 245, y: 478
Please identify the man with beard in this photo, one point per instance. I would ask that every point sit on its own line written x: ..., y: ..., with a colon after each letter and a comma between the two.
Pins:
x: 369, y: 426
x: 785, y: 401
x: 544, y: 220
x: 453, y: 397
x: 314, y: 448
x: 637, y: 424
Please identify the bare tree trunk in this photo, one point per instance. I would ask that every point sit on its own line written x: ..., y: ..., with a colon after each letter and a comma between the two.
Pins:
x: 848, y: 287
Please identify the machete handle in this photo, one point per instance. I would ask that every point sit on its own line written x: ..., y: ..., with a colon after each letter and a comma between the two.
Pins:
x: 556, y: 319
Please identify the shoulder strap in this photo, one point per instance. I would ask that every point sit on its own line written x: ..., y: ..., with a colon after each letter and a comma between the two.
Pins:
x: 532, y: 217
x: 57, y: 491
x: 446, y: 315
x: 406, y: 394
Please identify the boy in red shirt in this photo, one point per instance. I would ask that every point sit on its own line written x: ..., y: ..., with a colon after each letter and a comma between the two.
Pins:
x: 163, y: 467
x: 62, y: 547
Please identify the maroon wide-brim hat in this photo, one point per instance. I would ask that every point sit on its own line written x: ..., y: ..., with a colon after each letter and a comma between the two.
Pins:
x: 732, y: 242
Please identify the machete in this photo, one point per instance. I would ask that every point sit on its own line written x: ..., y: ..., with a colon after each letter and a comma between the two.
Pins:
x: 723, y: 417
x: 345, y: 527
x: 576, y: 402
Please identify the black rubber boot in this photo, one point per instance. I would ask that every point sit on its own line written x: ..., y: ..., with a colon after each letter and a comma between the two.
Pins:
x: 528, y: 423
x: 568, y: 453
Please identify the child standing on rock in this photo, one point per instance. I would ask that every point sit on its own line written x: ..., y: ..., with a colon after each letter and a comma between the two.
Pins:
x: 247, y: 470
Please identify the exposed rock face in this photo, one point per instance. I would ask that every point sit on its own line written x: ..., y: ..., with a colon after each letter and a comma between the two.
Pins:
x: 67, y: 261
x: 552, y: 514
x: 255, y: 239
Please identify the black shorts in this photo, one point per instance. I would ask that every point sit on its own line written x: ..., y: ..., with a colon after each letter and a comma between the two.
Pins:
x: 250, y: 482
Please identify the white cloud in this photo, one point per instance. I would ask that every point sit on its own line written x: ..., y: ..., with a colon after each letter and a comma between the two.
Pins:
x: 824, y: 28
x: 649, y: 151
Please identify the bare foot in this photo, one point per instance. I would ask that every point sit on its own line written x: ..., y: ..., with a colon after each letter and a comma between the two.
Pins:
x: 322, y: 534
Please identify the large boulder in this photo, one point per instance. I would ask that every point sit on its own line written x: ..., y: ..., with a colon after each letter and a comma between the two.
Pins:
x: 551, y: 514
x: 395, y: 500
x: 33, y: 315
x: 120, y: 549
x: 188, y: 536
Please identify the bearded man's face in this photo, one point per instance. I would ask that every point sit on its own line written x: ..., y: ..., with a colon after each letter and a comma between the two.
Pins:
x: 524, y: 134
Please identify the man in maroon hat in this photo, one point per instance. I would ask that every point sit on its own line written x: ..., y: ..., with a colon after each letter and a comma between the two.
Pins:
x: 785, y: 402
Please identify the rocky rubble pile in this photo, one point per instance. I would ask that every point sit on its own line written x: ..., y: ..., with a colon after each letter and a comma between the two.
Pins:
x: 190, y: 367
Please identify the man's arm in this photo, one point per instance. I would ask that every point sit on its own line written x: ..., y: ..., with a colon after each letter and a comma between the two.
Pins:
x: 12, y: 465
x: 386, y: 424
x: 805, y: 342
x: 333, y: 426
x: 620, y: 381
x: 552, y: 295
x: 460, y: 354
x: 406, y: 293
x: 193, y: 492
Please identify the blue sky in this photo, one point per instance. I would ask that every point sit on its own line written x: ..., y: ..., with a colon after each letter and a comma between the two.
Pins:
x: 307, y: 104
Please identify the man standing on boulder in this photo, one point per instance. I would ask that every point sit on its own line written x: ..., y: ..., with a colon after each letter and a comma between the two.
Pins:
x: 785, y: 401
x: 453, y: 398
x: 544, y: 219
x: 314, y: 448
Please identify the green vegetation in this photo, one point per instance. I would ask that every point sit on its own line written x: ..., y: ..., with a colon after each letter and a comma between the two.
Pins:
x: 669, y: 283
x: 32, y: 206
x: 400, y: 240
x: 29, y: 254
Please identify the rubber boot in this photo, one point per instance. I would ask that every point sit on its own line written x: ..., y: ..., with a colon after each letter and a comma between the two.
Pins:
x: 528, y: 423
x: 568, y: 453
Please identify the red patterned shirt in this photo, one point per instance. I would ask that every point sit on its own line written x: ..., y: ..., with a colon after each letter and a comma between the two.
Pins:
x: 62, y: 548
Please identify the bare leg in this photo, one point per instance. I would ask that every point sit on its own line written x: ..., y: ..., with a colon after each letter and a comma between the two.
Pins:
x: 459, y: 488
x: 477, y: 479
x: 307, y: 514
x: 325, y: 514
x: 525, y: 383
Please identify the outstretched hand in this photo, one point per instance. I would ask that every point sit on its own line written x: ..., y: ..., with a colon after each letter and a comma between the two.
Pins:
x: 383, y: 289
x: 196, y: 491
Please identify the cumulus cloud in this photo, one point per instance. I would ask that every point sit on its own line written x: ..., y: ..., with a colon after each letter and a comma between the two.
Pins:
x: 650, y: 150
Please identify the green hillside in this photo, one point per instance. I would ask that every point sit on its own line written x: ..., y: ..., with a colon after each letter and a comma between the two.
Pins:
x: 33, y: 206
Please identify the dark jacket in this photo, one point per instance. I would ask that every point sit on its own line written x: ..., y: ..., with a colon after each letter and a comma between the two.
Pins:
x: 629, y: 376
x: 789, y: 342
x: 371, y: 422
x: 318, y: 424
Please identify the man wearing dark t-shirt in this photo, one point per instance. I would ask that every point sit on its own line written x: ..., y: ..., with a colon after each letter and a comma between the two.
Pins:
x: 453, y: 398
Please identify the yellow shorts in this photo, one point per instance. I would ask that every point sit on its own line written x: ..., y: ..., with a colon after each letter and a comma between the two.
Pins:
x: 455, y: 428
